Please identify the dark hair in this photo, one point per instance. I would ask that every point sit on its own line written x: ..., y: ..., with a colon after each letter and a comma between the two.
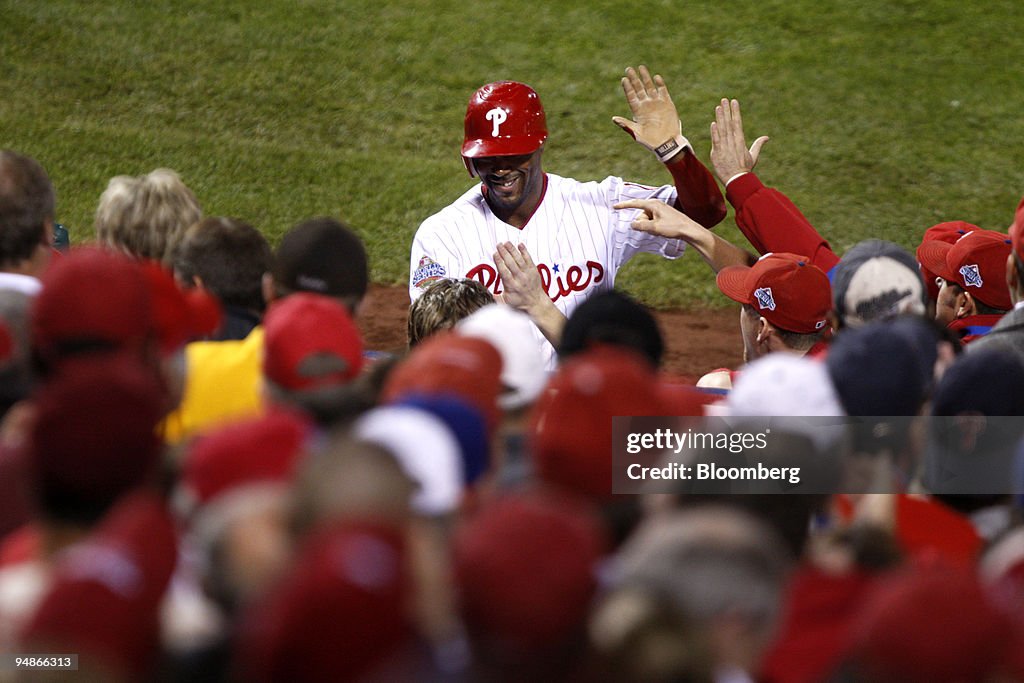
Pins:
x: 985, y: 309
x: 323, y: 256
x: 229, y: 256
x: 330, y: 407
x: 798, y: 341
x: 26, y: 203
x: 613, y: 317
x: 980, y: 306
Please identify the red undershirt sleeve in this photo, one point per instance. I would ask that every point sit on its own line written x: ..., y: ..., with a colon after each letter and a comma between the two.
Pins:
x: 698, y: 193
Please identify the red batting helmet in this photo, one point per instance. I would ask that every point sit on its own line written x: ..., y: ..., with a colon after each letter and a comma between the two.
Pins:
x: 503, y: 119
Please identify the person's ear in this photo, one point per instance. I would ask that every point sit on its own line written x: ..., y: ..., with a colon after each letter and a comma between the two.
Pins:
x: 269, y: 292
x: 764, y: 330
x: 183, y: 283
x: 965, y: 305
x: 833, y: 320
x: 1012, y: 281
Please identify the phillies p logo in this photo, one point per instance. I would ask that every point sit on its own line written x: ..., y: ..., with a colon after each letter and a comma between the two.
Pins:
x: 497, y: 116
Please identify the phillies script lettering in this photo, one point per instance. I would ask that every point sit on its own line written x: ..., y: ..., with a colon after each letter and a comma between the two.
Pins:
x: 574, y: 280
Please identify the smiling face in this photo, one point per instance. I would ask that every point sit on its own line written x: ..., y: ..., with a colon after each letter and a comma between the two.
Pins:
x: 513, y: 185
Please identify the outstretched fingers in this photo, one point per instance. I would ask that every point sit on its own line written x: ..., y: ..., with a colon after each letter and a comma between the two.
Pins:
x: 644, y: 221
x: 648, y: 83
x: 662, y: 88
x: 629, y: 88
x: 734, y: 109
x: 503, y: 261
x: 510, y: 258
x: 523, y: 257
x: 648, y: 206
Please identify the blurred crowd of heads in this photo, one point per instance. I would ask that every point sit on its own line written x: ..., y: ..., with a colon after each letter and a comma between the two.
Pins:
x: 447, y: 513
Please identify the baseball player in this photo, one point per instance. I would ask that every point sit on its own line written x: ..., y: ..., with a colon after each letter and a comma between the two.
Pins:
x: 541, y: 242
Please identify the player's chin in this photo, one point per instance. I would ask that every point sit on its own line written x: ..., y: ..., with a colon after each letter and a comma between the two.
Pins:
x: 505, y: 199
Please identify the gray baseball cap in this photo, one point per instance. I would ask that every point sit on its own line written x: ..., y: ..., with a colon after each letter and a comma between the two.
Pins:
x: 877, y: 280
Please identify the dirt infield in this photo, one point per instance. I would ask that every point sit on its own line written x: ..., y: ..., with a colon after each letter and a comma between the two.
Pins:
x: 696, y: 341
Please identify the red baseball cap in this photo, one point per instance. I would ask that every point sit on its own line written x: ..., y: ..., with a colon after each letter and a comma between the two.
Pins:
x: 265, y: 449
x: 932, y: 625
x: 303, y: 329
x: 104, y: 600
x: 448, y: 363
x: 95, y: 297
x: 572, y: 421
x: 948, y: 232
x: 976, y: 262
x: 91, y: 295
x: 179, y: 316
x: 94, y: 436
x: 339, y: 613
x: 786, y: 289
x: 525, y: 571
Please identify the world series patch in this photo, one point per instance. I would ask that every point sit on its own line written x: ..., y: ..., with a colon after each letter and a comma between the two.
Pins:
x: 764, y: 298
x: 427, y: 272
x: 972, y: 275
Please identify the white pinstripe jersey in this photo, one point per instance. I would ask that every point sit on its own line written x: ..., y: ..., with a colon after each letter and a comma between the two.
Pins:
x: 575, y: 237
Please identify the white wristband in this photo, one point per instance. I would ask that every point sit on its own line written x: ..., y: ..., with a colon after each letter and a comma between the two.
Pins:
x: 741, y: 173
x: 669, y: 149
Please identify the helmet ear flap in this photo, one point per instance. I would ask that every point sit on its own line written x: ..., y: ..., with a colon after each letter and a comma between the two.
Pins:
x: 470, y: 167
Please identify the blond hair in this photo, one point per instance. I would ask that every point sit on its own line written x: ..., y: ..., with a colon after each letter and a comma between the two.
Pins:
x: 443, y: 304
x: 145, y: 215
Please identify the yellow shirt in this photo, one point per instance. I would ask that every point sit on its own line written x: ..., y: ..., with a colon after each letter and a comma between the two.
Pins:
x: 222, y: 384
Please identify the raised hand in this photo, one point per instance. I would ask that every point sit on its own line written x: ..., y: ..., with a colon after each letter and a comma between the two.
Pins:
x: 729, y: 154
x: 519, y: 277
x: 655, y: 123
x: 524, y: 290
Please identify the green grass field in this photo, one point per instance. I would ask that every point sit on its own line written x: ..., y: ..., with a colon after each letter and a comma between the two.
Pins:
x: 885, y: 117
